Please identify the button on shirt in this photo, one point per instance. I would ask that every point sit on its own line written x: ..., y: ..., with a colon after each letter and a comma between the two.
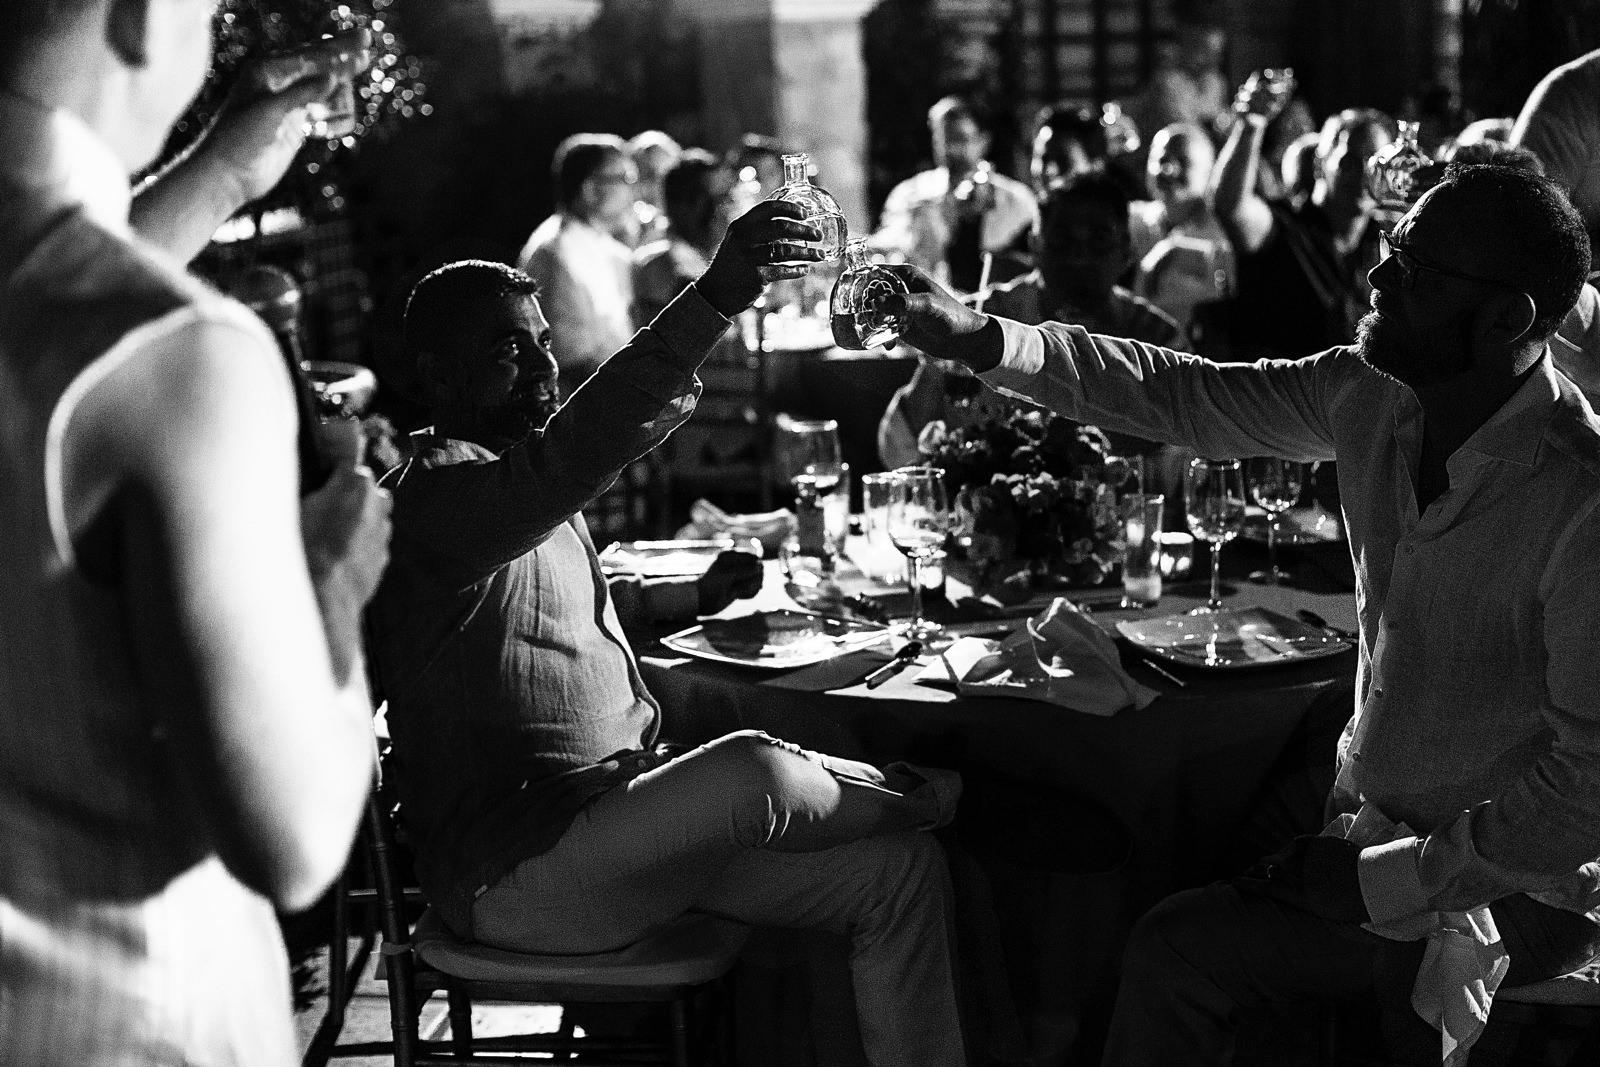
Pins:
x: 1478, y: 714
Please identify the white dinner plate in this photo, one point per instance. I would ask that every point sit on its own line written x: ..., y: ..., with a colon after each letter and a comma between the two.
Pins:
x: 1231, y: 639
x: 775, y: 640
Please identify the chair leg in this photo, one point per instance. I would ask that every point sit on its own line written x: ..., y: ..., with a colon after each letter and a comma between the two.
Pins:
x: 460, y: 1023
x: 680, y: 1032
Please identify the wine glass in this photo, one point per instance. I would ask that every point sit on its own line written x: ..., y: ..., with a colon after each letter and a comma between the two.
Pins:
x: 1275, y: 486
x: 343, y: 390
x: 919, y: 519
x: 1213, y: 497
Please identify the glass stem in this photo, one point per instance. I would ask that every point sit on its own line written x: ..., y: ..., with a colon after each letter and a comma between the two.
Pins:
x: 1215, y: 603
x: 914, y: 572
x: 1272, y: 546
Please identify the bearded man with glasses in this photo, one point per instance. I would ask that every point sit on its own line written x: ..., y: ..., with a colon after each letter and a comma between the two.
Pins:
x: 1464, y: 846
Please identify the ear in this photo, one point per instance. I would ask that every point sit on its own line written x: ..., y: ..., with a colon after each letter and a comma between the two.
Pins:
x: 1511, y: 316
x: 127, y: 27
x: 432, y: 377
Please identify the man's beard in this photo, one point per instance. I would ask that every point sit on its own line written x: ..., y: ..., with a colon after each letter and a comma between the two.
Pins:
x: 521, y: 417
x: 1401, y: 356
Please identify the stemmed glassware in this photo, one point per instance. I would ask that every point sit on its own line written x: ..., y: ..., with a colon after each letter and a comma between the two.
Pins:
x: 1213, y: 497
x: 1275, y: 485
x: 919, y: 520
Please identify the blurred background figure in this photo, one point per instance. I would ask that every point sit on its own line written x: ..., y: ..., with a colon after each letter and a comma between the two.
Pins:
x: 695, y: 196
x: 1189, y: 84
x: 1067, y: 140
x: 757, y: 166
x: 1478, y: 130
x: 1192, y: 261
x: 949, y: 219
x: 584, y: 270
x: 1301, y: 268
x: 1560, y: 124
x: 653, y: 154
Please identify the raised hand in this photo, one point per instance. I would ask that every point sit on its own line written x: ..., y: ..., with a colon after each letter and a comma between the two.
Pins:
x: 767, y: 243
x: 932, y: 319
x: 262, y: 124
x: 1265, y: 93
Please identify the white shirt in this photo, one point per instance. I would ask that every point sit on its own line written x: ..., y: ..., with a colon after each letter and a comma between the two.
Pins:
x: 916, y: 225
x: 585, y: 279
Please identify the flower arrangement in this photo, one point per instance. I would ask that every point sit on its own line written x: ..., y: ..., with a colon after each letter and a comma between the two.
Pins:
x: 1034, y: 492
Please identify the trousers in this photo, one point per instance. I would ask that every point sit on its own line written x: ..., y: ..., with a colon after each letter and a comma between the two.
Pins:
x: 755, y: 830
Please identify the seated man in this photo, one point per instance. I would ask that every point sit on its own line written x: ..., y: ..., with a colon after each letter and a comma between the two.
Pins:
x: 1083, y: 245
x: 545, y: 817
x: 1470, y: 476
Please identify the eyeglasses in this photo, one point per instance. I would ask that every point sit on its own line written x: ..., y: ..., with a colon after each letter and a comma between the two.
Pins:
x: 1410, y: 266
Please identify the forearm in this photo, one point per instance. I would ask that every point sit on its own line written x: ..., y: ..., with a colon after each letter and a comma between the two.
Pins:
x: 1276, y: 408
x: 181, y: 208
x: 1233, y: 195
x: 642, y: 601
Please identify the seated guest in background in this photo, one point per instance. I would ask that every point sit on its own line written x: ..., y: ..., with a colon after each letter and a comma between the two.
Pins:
x: 1470, y: 474
x: 695, y: 216
x: 1301, y: 268
x: 946, y: 220
x: 653, y: 154
x: 184, y: 739
x: 1192, y: 261
x: 1068, y: 141
x: 1082, y: 247
x: 585, y: 273
x: 545, y: 816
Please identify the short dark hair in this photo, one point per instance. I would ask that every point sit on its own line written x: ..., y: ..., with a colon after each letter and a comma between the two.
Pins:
x: 686, y: 192
x: 956, y: 107
x: 1352, y: 119
x: 1095, y: 186
x: 433, y: 311
x: 1081, y: 124
x: 576, y: 160
x: 1499, y: 153
x: 1543, y: 248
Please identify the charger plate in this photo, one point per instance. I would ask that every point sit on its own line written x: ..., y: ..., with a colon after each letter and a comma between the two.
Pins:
x: 1231, y: 639
x: 775, y: 640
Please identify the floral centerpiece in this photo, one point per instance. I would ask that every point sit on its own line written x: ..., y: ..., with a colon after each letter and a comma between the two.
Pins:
x: 1034, y: 495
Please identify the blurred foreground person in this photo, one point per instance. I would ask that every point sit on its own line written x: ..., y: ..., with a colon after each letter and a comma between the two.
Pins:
x: 185, y: 738
x: 545, y: 816
x: 1465, y: 848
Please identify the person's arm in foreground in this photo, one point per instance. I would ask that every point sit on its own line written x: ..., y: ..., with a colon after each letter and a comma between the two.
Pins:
x: 486, y: 514
x: 246, y: 151
x: 733, y: 575
x: 1276, y: 407
x: 225, y: 630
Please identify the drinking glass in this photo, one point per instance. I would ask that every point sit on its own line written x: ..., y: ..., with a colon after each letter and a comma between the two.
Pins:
x: 878, y: 558
x: 343, y: 390
x: 1275, y: 486
x: 919, y: 519
x: 1141, y: 564
x: 810, y: 448
x: 1213, y: 499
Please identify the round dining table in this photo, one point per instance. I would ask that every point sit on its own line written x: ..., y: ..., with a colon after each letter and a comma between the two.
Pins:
x: 1079, y: 822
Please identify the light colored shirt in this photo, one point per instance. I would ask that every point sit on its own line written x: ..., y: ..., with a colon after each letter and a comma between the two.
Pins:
x: 1560, y: 123
x: 1477, y: 718
x: 123, y: 938
x: 496, y: 640
x: 918, y: 222
x: 1575, y: 349
x: 585, y: 278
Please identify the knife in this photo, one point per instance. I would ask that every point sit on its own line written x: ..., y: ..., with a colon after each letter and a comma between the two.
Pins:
x: 902, y: 659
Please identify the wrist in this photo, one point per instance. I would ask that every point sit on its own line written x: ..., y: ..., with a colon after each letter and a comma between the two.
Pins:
x: 718, y: 297
x: 983, y: 349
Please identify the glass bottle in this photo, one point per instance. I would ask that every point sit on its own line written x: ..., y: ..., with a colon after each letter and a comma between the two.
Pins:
x: 1392, y: 172
x: 810, y: 559
x: 821, y: 209
x: 857, y: 324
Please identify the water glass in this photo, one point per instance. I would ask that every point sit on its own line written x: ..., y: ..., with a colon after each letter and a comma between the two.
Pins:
x: 808, y: 447
x: 1141, y: 564
x: 1275, y: 485
x: 1174, y: 554
x: 876, y: 555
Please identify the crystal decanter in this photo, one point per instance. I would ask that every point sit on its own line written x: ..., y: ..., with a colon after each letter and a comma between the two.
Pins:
x: 1393, y: 176
x: 821, y: 209
x: 857, y: 324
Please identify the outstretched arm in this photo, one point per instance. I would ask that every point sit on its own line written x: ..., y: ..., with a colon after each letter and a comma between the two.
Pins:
x: 247, y: 150
x: 1244, y: 215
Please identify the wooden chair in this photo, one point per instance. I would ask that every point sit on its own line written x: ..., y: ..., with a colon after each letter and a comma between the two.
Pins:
x: 682, y: 966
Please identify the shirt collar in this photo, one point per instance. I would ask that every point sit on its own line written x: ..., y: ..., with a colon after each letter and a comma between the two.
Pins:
x: 1515, y: 432
x: 56, y: 153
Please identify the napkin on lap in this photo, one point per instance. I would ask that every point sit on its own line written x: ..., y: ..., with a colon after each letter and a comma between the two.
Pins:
x: 771, y: 528
x: 1088, y: 672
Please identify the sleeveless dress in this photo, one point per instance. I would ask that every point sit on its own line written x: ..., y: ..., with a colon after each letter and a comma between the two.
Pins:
x: 123, y: 940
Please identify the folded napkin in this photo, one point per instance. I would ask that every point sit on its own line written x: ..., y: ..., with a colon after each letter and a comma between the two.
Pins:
x: 771, y: 528
x: 1464, y: 961
x: 1060, y: 657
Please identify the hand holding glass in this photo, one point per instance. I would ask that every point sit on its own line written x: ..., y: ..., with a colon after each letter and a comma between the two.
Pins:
x: 1213, y: 498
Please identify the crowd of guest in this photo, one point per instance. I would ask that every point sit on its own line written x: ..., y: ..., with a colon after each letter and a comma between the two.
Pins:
x: 193, y: 629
